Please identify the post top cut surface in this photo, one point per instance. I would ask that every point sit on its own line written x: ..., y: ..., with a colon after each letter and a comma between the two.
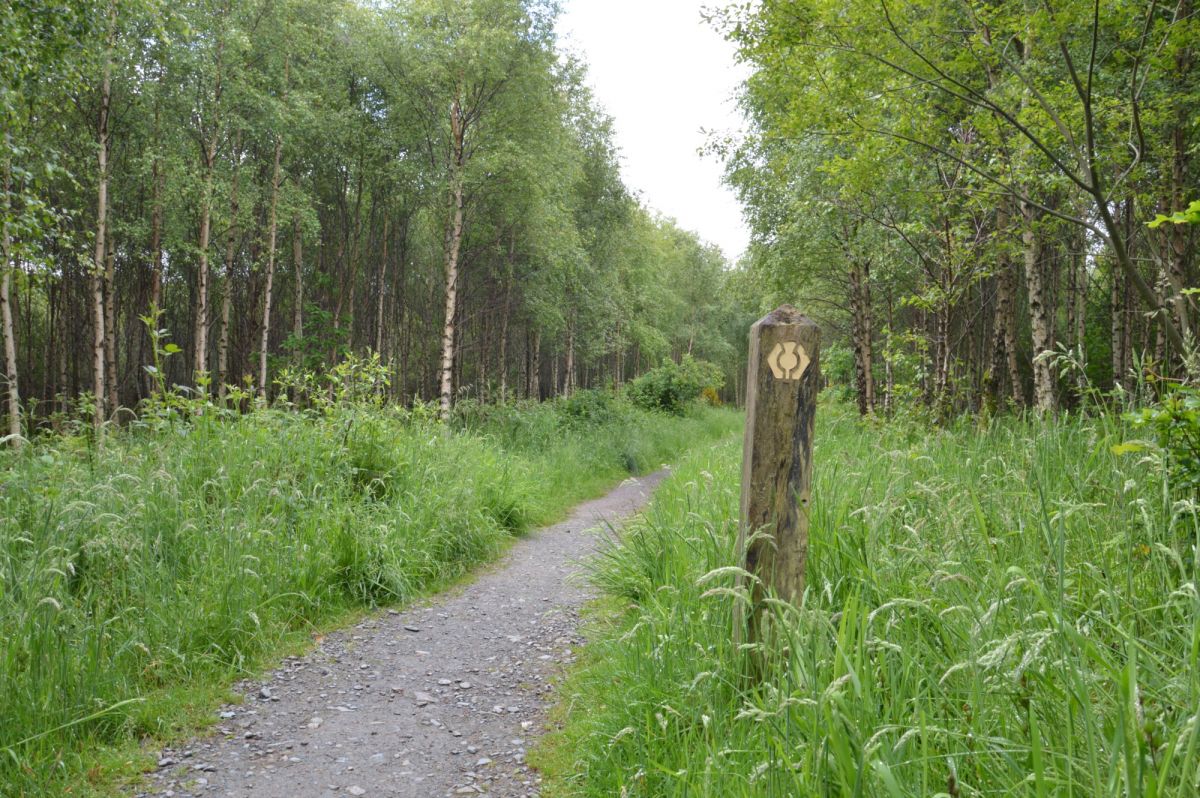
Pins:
x: 785, y: 315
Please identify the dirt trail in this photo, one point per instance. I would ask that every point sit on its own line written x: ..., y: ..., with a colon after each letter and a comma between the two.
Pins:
x: 440, y: 699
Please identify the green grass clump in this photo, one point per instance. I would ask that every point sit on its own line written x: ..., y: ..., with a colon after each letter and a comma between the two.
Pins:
x: 135, y: 577
x: 1003, y: 608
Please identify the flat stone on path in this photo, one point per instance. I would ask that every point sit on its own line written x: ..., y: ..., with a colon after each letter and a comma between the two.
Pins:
x: 367, y: 713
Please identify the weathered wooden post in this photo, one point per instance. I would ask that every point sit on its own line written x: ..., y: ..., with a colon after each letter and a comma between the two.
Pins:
x: 782, y: 382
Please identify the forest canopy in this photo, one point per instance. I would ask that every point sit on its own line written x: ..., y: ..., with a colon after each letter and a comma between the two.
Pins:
x: 964, y: 190
x: 254, y: 190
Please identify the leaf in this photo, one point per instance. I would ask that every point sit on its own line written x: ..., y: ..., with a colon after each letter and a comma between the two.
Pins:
x: 1189, y: 216
x: 1128, y: 447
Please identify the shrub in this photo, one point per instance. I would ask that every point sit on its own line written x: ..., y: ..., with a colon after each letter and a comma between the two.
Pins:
x: 837, y: 368
x: 587, y: 408
x: 1175, y: 423
x: 671, y: 386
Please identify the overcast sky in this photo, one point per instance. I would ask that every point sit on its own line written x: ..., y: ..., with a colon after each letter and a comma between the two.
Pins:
x: 665, y: 77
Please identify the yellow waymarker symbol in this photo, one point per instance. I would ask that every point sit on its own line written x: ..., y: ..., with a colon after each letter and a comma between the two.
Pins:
x: 788, y: 360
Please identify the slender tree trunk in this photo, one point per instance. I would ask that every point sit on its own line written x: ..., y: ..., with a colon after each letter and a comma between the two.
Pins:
x: 272, y: 230
x: 200, y: 354
x: 525, y: 363
x: 6, y: 314
x: 231, y: 249
x: 1078, y: 304
x: 1117, y: 331
x: 1119, y: 242
x: 868, y: 328
x: 941, y: 356
x: 406, y: 350
x: 97, y: 284
x: 298, y: 268
x: 454, y: 233
x: 208, y: 155
x: 535, y: 368
x: 502, y: 357
x: 50, y: 353
x: 348, y: 260
x: 861, y: 331
x: 339, y: 281
x: 506, y: 312
x: 110, y: 324
x: 399, y: 327
x: 1121, y: 337
x: 619, y: 358
x: 223, y: 322
x: 156, y: 278
x: 889, y: 373
x: 60, y: 350
x: 569, y: 367
x: 1162, y: 286
x: 1039, y: 314
x: 1004, y: 326
x: 381, y: 290
x: 1010, y: 335
x: 1178, y: 234
x: 461, y: 336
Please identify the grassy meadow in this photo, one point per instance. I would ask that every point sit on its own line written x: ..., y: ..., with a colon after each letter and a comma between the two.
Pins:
x: 139, y: 578
x: 998, y: 608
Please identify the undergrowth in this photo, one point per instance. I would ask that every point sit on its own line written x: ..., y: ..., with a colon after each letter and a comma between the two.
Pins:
x: 181, y: 555
x: 998, y: 608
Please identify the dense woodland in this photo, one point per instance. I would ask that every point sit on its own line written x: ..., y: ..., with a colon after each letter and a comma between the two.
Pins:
x: 961, y: 188
x: 961, y: 193
x: 275, y: 185
x: 405, y: 218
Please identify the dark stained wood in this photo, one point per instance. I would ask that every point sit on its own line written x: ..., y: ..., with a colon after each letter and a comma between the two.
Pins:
x: 777, y: 454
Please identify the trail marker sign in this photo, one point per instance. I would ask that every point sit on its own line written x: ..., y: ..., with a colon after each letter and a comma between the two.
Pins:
x: 782, y: 382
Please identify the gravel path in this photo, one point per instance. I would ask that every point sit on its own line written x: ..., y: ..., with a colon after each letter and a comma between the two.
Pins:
x: 440, y: 699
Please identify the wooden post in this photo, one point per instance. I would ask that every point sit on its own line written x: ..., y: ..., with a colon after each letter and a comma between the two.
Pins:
x: 782, y: 382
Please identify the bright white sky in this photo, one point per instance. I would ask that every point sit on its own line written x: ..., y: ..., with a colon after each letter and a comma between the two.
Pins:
x: 665, y: 77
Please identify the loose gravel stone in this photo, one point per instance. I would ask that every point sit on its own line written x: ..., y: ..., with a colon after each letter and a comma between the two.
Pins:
x: 331, y: 722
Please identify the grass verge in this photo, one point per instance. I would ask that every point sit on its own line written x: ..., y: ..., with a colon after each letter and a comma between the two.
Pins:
x: 139, y: 579
x: 1001, y: 608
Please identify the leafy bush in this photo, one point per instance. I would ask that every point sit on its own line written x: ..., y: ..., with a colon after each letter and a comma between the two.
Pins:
x: 1175, y: 423
x: 837, y: 368
x: 672, y: 386
x: 588, y: 407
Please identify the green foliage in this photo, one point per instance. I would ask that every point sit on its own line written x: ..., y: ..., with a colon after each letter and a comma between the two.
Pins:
x: 837, y: 366
x: 990, y: 607
x: 587, y: 407
x: 166, y: 403
x: 359, y: 379
x: 927, y: 151
x: 186, y: 554
x: 1190, y: 215
x: 1175, y: 424
x: 671, y: 387
x: 357, y: 97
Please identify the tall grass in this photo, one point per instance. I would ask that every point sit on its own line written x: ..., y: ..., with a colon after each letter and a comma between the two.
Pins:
x: 182, y: 557
x: 995, y: 609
